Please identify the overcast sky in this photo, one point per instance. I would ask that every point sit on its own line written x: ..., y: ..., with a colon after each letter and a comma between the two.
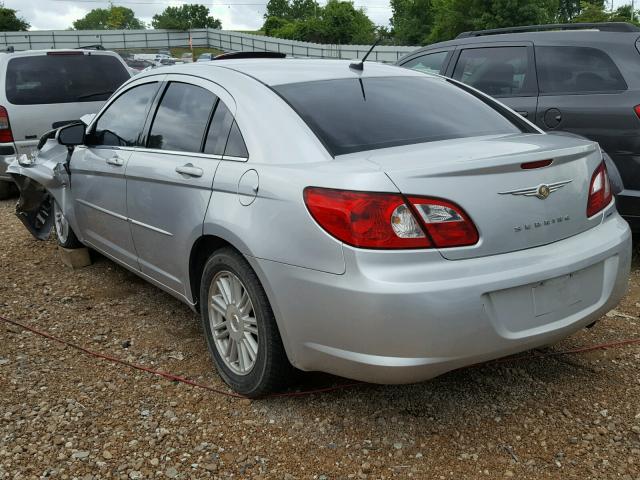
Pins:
x: 235, y: 14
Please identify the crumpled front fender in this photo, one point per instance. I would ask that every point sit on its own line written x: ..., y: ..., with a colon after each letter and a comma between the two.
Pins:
x: 40, y: 181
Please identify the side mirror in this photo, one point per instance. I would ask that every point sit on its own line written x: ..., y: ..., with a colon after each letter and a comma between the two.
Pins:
x: 71, y: 135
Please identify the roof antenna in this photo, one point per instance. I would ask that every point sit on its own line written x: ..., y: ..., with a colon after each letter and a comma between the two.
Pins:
x: 360, y: 65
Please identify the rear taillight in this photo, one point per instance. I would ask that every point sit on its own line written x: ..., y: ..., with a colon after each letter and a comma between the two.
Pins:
x: 5, y: 127
x: 637, y: 110
x: 388, y: 220
x: 599, y: 191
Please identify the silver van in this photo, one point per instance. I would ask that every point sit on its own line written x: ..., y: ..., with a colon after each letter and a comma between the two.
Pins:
x: 42, y: 89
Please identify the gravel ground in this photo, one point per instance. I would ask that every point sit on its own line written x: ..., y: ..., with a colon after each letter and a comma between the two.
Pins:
x: 67, y: 415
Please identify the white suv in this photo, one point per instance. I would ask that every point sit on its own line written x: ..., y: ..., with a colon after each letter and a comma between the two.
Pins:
x: 42, y: 88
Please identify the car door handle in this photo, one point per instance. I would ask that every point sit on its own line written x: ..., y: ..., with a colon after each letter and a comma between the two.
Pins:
x: 116, y: 161
x: 524, y: 114
x: 190, y: 170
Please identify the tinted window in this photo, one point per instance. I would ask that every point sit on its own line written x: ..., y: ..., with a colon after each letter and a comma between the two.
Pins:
x: 576, y: 70
x: 122, y: 122
x: 352, y: 115
x: 430, y: 63
x: 235, y: 144
x: 181, y: 119
x: 63, y: 78
x: 501, y: 71
x: 219, y: 130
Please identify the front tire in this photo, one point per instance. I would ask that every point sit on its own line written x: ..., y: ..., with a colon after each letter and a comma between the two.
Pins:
x: 240, y: 327
x: 66, y: 236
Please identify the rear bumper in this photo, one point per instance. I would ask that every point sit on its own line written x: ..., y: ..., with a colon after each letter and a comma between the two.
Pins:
x: 401, y: 317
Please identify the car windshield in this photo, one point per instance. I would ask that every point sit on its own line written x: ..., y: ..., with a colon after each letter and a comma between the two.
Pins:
x: 357, y: 114
x: 63, y: 78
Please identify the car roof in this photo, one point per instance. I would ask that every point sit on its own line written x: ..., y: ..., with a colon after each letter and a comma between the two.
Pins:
x: 282, y: 71
x: 587, y: 37
x: 86, y: 51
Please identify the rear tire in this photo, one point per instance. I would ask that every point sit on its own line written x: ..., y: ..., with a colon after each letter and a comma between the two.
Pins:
x: 246, y: 348
x: 66, y: 236
x: 7, y: 190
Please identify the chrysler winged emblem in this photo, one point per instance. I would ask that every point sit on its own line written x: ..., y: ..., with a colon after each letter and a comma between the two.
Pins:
x: 541, y: 191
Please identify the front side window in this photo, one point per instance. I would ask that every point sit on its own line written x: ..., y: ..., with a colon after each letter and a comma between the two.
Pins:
x: 496, y: 71
x: 181, y: 118
x: 63, y: 78
x: 566, y: 70
x: 353, y: 115
x: 430, y: 63
x: 122, y: 122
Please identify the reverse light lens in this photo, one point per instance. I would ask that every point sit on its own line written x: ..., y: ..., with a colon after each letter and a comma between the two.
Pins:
x: 599, y: 191
x: 447, y: 224
x: 387, y: 221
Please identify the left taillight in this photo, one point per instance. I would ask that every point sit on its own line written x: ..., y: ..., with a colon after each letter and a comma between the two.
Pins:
x: 389, y: 220
x: 6, y: 136
x: 599, y: 191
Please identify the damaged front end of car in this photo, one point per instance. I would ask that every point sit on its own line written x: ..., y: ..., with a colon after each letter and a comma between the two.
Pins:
x: 42, y: 180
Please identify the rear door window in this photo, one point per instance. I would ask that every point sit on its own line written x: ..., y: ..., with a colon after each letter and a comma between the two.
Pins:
x: 357, y: 114
x: 429, y: 63
x: 122, y: 122
x: 181, y: 118
x: 496, y: 71
x: 574, y: 70
x: 63, y: 78
x: 219, y: 130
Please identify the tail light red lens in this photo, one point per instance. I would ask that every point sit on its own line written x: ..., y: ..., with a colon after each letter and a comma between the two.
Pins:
x: 599, y: 191
x: 388, y: 220
x: 6, y: 136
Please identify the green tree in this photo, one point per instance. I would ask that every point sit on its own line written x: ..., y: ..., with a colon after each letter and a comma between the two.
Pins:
x: 278, y: 9
x: 592, y: 12
x: 301, y: 9
x: 456, y: 16
x: 185, y: 17
x: 10, y: 22
x: 112, y: 18
x: 412, y: 20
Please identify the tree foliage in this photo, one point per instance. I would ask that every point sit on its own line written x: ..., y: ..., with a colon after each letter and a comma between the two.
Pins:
x: 412, y: 20
x: 10, y: 22
x: 336, y: 22
x: 112, y: 18
x: 184, y: 17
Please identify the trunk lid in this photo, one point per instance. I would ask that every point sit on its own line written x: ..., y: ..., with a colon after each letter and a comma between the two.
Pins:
x: 484, y: 176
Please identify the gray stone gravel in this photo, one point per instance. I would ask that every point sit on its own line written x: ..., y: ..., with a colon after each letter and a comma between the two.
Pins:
x: 70, y: 416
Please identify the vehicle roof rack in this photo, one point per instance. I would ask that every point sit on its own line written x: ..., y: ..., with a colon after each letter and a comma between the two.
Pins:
x: 91, y: 47
x: 232, y: 55
x: 602, y: 26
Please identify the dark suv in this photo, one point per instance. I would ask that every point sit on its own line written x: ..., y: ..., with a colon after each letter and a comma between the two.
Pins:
x: 579, y: 78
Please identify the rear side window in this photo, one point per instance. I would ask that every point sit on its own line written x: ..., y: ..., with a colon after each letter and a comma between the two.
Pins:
x: 70, y: 78
x: 566, y: 70
x: 496, y: 71
x: 121, y: 123
x: 181, y: 118
x: 429, y: 63
x: 235, y: 144
x: 353, y: 115
x: 219, y: 130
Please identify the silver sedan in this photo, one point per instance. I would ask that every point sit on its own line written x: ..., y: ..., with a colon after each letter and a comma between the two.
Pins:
x: 377, y: 223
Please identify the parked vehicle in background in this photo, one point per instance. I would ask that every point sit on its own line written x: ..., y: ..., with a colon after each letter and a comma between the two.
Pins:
x: 375, y: 223
x: 580, y: 78
x: 139, y: 65
x: 39, y: 89
x: 205, y: 57
x: 186, y: 57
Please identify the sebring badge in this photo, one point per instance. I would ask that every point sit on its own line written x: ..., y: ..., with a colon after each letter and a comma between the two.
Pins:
x: 541, y: 191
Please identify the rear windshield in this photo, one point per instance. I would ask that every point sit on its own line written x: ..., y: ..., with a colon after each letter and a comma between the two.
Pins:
x: 353, y: 115
x: 67, y: 78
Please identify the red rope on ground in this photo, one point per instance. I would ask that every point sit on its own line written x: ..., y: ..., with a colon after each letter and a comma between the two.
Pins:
x: 177, y: 378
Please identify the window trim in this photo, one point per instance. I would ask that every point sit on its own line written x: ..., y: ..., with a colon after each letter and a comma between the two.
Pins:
x: 583, y: 92
x: 532, y: 74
